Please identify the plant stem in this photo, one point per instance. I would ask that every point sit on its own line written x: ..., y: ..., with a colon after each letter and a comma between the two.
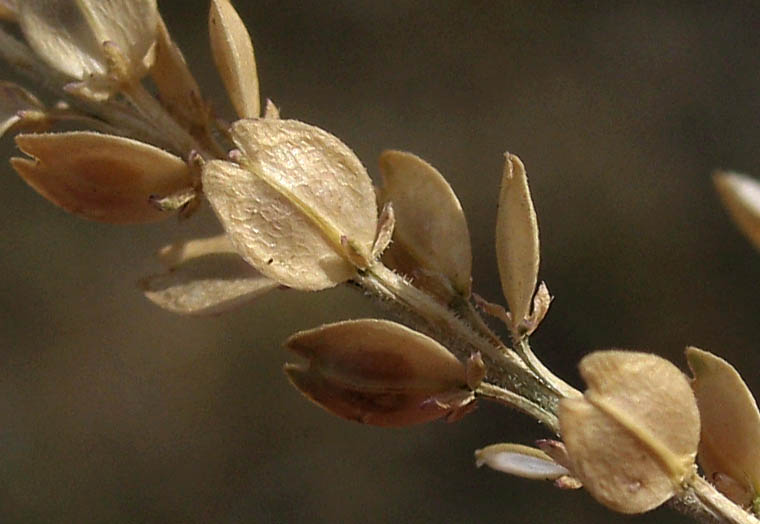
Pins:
x: 505, y: 368
x: 508, y: 398
x: 703, y: 502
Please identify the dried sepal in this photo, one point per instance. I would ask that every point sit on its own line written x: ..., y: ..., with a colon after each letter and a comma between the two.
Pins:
x: 741, y: 197
x: 300, y: 206
x: 377, y: 372
x: 430, y: 224
x: 517, y: 248
x: 204, y: 282
x: 177, y: 253
x: 233, y: 54
x: 521, y: 461
x: 19, y: 109
x: 541, y: 302
x: 728, y: 448
x: 271, y: 111
x: 176, y: 85
x: 386, y: 224
x: 100, y: 177
x: 103, y: 43
x: 633, y: 437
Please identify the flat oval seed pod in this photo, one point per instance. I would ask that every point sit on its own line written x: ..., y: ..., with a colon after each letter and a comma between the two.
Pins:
x: 741, y: 197
x: 270, y: 232
x: 521, y: 461
x: 233, y: 54
x: 300, y: 207
x: 372, y: 354
x: 69, y: 36
x: 633, y: 437
x: 730, y: 424
x: 207, y: 285
x: 517, y: 248
x: 100, y: 177
x: 430, y: 224
x: 376, y: 372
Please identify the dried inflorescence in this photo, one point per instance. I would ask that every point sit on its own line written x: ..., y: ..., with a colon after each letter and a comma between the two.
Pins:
x: 300, y: 211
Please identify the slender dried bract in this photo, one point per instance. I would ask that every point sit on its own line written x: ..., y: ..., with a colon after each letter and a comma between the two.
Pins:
x: 730, y: 443
x: 633, y: 437
x: 233, y: 53
x: 517, y: 248
x: 375, y: 371
x: 102, y: 43
x: 741, y: 197
x: 430, y: 227
x: 100, y: 177
x: 299, y: 207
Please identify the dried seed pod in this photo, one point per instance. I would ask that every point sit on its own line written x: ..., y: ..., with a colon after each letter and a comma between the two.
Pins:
x: 730, y: 426
x: 233, y: 54
x: 430, y: 224
x: 375, y: 371
x: 100, y: 177
x: 521, y: 461
x: 71, y: 37
x: 205, y: 277
x: 19, y: 108
x: 741, y: 197
x: 633, y: 437
x: 300, y: 207
x: 517, y: 248
x: 177, y: 87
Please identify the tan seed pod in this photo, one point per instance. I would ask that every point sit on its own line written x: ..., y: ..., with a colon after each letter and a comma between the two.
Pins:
x: 521, y: 461
x: 741, y: 197
x: 430, y: 224
x: 100, y: 177
x: 70, y: 36
x: 205, y: 277
x: 517, y: 247
x: 177, y: 87
x: 633, y: 437
x: 730, y: 425
x: 297, y: 203
x: 233, y: 54
x: 375, y: 371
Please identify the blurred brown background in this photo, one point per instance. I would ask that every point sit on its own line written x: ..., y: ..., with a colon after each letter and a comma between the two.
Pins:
x: 112, y: 410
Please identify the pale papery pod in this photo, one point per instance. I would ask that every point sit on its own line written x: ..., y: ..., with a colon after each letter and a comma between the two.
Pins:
x: 741, y: 197
x: 207, y: 284
x: 300, y: 208
x: 233, y: 54
x: 70, y: 37
x: 376, y: 372
x: 521, y: 461
x: 18, y: 107
x: 730, y: 424
x: 632, y: 439
x: 430, y: 224
x: 100, y: 177
x: 177, y: 87
x: 517, y: 247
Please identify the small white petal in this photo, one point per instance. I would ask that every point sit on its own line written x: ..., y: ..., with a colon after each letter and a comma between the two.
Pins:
x: 521, y: 461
